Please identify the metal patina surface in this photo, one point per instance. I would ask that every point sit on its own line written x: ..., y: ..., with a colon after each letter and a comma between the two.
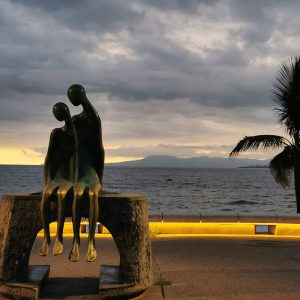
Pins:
x: 73, y: 172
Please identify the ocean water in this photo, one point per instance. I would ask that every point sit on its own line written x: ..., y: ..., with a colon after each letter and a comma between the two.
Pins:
x: 179, y: 191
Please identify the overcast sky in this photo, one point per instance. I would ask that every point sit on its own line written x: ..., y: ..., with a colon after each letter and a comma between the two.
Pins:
x: 185, y: 78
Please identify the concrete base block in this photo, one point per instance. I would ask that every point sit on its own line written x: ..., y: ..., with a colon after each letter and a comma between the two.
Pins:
x: 28, y: 284
x: 112, y: 287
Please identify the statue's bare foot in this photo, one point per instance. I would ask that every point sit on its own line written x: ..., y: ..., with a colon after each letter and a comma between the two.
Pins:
x: 91, y: 253
x: 44, y: 250
x: 58, y: 247
x: 74, y: 254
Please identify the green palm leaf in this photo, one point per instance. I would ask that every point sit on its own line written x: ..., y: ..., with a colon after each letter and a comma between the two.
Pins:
x: 257, y: 141
x: 282, y: 165
x: 287, y: 94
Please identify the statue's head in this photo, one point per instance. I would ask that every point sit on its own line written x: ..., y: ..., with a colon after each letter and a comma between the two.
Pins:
x: 61, y: 111
x: 76, y: 94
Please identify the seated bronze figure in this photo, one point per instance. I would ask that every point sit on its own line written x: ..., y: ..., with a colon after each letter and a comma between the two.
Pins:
x: 59, y: 174
x: 90, y: 167
x: 73, y: 171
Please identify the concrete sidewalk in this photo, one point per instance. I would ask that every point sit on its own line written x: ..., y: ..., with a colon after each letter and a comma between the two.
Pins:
x: 190, y: 268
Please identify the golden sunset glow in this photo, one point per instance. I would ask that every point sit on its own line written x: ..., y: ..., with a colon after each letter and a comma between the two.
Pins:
x: 117, y: 159
x: 20, y: 156
x: 27, y: 156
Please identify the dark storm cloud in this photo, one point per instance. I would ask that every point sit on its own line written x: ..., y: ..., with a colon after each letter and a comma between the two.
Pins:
x: 190, y: 6
x: 217, y: 54
x: 87, y: 16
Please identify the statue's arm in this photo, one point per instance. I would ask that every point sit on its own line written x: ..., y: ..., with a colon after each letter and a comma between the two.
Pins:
x: 48, y: 159
x: 99, y: 159
x: 74, y: 157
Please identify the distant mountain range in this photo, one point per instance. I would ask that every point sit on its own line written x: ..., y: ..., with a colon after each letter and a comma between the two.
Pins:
x: 194, y: 162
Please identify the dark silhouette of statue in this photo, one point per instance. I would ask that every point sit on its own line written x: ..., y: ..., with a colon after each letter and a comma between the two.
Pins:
x: 74, y: 167
x: 60, y: 173
x: 90, y: 168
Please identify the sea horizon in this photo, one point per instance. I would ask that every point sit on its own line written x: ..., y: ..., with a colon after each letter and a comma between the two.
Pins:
x: 178, y: 190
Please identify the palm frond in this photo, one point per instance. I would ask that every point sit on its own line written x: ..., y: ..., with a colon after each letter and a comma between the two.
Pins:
x: 258, y: 141
x: 287, y: 94
x: 282, y: 165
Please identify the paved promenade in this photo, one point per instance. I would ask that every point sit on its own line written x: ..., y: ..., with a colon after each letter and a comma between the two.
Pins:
x: 190, y: 268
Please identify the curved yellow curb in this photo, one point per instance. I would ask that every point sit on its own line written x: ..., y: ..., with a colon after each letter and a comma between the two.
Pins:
x: 160, y: 229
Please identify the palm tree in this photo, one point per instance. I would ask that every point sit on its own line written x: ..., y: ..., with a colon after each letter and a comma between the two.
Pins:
x: 287, y: 95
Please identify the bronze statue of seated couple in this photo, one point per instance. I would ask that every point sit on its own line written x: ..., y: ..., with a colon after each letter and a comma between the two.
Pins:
x: 73, y: 173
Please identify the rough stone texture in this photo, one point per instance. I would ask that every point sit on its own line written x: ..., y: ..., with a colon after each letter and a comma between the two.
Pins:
x: 19, y: 224
x: 124, y: 215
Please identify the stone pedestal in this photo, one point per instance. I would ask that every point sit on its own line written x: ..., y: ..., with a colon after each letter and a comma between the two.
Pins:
x: 124, y: 215
x: 20, y: 222
x: 28, y: 284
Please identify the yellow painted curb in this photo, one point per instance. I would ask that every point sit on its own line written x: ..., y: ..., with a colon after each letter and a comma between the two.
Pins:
x: 195, y: 229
